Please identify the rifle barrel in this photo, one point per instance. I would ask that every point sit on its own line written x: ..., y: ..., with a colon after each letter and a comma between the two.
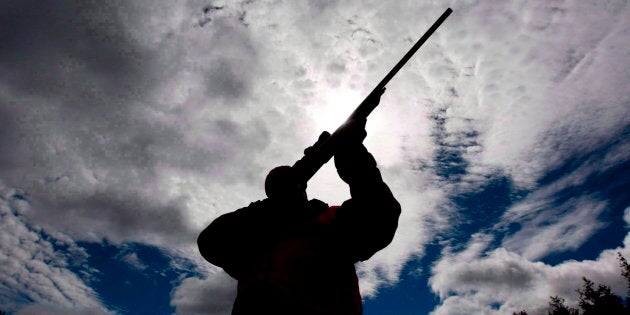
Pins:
x: 365, y: 109
x: 310, y: 164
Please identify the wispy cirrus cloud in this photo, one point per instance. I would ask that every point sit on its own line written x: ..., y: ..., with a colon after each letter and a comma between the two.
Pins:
x: 556, y: 228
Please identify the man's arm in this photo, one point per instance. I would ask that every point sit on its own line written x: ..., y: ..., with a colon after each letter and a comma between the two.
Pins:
x: 369, y: 220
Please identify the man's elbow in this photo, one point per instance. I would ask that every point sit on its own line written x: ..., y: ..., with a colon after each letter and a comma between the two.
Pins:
x: 384, y: 226
x: 205, y: 245
x: 212, y: 244
x: 388, y: 201
x: 395, y: 208
x: 390, y: 224
x: 392, y: 208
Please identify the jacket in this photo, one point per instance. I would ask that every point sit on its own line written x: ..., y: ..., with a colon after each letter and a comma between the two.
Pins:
x: 301, y: 261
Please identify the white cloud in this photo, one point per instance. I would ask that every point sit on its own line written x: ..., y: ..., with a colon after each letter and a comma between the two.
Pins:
x: 549, y: 219
x: 526, y: 74
x: 213, y: 295
x: 134, y: 261
x: 53, y: 309
x: 476, y: 284
x: 552, y: 229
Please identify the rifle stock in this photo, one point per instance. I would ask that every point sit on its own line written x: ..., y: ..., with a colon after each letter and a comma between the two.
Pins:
x: 322, y: 152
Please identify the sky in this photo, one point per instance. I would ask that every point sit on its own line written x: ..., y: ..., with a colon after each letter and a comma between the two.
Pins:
x: 126, y: 127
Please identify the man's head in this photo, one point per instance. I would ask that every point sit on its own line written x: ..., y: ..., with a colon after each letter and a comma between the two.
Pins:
x: 282, y: 184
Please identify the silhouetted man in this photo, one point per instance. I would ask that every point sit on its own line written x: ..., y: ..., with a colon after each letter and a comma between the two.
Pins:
x: 295, y: 256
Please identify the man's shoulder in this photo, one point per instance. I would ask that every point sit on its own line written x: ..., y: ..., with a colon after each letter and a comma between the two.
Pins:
x: 254, y: 207
x: 258, y: 203
x: 314, y: 206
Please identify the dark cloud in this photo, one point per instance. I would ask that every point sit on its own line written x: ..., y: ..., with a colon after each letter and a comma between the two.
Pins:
x: 510, y: 274
x: 85, y: 128
x: 116, y: 213
x: 227, y: 79
x: 51, y: 47
x: 9, y: 133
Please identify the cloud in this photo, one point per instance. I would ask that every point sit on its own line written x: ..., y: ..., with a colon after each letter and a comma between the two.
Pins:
x: 567, y: 209
x: 523, y: 76
x: 556, y: 229
x: 213, y: 295
x: 50, y: 48
x: 539, y: 119
x: 134, y: 261
x: 95, y: 126
x: 497, y: 272
x: 47, y: 309
x: 499, y: 281
x: 34, y: 272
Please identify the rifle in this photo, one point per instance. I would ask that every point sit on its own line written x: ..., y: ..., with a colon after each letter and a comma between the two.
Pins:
x: 326, y: 146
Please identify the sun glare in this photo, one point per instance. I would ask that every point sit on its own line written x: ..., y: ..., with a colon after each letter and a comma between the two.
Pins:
x: 337, y: 106
x: 384, y: 132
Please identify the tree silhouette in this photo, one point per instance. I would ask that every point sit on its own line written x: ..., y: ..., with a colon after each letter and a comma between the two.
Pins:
x: 600, y: 301
x: 625, y: 272
x: 559, y: 308
x: 594, y: 301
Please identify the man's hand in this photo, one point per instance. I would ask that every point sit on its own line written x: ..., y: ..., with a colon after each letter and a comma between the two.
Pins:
x: 322, y: 138
x: 352, y: 132
x: 346, y: 146
x: 376, y: 97
x: 352, y: 158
